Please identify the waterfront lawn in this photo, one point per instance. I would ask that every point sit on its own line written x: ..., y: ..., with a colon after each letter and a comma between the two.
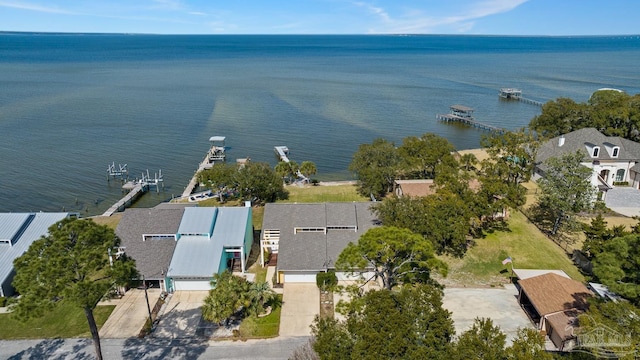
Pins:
x: 319, y: 194
x: 64, y: 321
x: 254, y: 327
x: 523, y: 242
x: 111, y: 221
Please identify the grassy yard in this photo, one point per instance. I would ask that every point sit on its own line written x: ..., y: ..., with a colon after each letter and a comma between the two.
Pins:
x: 64, y: 321
x: 254, y: 327
x: 332, y: 193
x: 523, y: 242
x: 111, y: 221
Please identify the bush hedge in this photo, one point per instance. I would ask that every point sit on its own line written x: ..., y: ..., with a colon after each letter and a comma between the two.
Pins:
x: 326, y: 280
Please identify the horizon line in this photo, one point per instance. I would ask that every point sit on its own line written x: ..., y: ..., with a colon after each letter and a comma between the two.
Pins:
x: 318, y: 34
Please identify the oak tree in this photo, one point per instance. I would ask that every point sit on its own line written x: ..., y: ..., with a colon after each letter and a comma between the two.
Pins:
x: 395, y: 255
x: 375, y: 166
x: 71, y: 263
x: 383, y: 324
x: 565, y: 190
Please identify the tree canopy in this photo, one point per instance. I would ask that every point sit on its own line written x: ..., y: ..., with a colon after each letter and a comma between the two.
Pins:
x: 378, y: 164
x: 383, y: 324
x: 617, y: 265
x: 254, y: 181
x: 375, y: 166
x: 612, y: 112
x: 395, y: 255
x: 71, y: 263
x: 232, y: 295
x: 565, y: 190
x: 442, y: 219
x: 421, y: 157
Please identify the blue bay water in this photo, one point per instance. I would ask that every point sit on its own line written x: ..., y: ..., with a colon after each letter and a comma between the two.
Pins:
x: 71, y: 104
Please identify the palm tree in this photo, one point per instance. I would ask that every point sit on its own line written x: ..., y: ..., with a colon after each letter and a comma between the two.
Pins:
x: 287, y: 170
x: 308, y: 168
x: 260, y: 294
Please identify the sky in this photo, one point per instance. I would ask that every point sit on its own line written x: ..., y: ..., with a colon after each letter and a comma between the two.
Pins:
x: 472, y: 17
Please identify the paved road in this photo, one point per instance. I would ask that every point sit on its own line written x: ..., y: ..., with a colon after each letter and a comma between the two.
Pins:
x: 150, y: 348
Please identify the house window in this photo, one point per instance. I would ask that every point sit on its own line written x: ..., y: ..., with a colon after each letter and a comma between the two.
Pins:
x: 620, y: 175
x: 147, y: 237
x: 298, y: 230
x: 615, y: 152
x: 333, y: 227
x: 596, y: 151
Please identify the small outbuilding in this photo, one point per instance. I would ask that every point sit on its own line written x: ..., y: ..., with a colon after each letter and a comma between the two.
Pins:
x: 553, y: 302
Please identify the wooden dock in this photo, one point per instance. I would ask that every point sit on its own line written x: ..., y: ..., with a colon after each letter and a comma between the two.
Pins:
x: 470, y: 122
x: 137, y: 189
x: 216, y: 153
x: 282, y: 152
x: 207, y: 163
x: 463, y: 114
x: 529, y: 101
x: 516, y: 94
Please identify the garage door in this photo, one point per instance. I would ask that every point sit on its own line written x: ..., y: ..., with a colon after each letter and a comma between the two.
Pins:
x: 308, y: 277
x: 191, y: 285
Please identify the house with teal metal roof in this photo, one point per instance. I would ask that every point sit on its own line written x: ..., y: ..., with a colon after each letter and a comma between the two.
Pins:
x: 209, y: 241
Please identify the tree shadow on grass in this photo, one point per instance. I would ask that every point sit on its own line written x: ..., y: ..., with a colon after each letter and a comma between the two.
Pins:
x: 50, y: 349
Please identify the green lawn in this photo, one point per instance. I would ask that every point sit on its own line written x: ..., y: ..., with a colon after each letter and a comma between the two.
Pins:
x: 523, y: 242
x: 265, y: 327
x: 319, y: 194
x: 64, y: 321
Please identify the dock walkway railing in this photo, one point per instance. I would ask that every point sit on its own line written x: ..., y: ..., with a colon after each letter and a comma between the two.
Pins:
x: 468, y: 121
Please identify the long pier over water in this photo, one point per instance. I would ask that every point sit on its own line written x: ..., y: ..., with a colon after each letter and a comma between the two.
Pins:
x: 463, y: 114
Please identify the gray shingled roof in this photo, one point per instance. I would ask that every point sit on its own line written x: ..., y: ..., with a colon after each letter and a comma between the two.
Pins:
x: 152, y: 256
x: 314, y: 251
x: 578, y: 140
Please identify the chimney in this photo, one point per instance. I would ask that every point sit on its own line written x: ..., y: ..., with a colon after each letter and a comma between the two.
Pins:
x: 561, y: 140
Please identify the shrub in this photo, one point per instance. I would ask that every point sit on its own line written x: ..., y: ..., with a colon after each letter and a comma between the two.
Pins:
x: 3, y: 301
x: 326, y: 280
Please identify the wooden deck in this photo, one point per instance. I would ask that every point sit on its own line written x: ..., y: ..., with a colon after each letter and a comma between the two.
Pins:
x: 137, y: 190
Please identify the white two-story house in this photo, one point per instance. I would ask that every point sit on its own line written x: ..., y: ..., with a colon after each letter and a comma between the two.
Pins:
x: 614, y: 160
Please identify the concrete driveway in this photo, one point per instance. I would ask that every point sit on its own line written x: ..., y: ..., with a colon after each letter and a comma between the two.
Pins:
x: 300, y: 304
x: 130, y: 314
x: 624, y: 200
x: 181, y: 315
x: 499, y: 304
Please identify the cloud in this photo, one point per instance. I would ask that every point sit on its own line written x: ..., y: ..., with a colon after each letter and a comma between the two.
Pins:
x: 418, y: 21
x: 378, y: 11
x: 197, y: 13
x: 36, y: 7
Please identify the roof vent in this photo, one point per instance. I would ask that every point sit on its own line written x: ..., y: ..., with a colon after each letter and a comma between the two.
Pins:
x: 561, y: 140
